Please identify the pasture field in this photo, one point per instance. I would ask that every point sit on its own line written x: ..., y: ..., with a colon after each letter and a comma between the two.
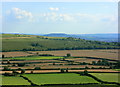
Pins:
x: 34, y: 58
x: 13, y: 80
x: 109, y: 77
x: 66, y: 78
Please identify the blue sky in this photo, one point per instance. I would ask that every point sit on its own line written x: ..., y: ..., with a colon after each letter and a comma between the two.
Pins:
x: 60, y: 17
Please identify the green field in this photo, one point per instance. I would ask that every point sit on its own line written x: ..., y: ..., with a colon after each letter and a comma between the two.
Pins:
x: 13, y: 80
x: 109, y: 77
x: 66, y: 78
x: 35, y: 58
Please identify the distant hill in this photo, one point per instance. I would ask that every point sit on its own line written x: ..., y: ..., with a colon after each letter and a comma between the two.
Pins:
x: 98, y: 37
x: 22, y: 42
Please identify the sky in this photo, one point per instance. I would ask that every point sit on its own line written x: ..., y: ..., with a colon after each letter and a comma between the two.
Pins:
x: 59, y: 17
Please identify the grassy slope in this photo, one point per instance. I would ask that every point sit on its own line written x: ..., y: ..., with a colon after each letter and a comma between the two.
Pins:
x: 109, y: 77
x: 66, y: 78
x: 7, y: 80
x: 17, y: 42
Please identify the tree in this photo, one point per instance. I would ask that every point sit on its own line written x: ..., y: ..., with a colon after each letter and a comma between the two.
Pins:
x: 8, y: 62
x: 93, y: 62
x: 67, y: 70
x: 86, y: 67
x: 53, y: 63
x: 85, y: 72
x: 68, y: 54
x: 14, y: 72
x: 62, y: 70
x: 22, y: 71
x: 3, y: 56
x: 32, y: 71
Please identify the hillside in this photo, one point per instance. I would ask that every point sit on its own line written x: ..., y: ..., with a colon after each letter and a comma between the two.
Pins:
x: 98, y: 37
x: 20, y: 42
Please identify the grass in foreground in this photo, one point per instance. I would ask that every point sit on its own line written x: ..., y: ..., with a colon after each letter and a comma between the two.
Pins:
x: 109, y: 77
x: 35, y: 58
x: 13, y: 80
x: 66, y: 78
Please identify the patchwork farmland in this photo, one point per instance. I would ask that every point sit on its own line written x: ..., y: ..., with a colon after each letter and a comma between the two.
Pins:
x: 90, y: 67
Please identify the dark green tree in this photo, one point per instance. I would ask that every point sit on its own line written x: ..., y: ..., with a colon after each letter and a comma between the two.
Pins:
x: 68, y: 55
x: 22, y: 71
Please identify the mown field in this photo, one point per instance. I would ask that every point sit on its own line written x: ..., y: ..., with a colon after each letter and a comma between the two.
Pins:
x: 109, y: 77
x: 67, y: 78
x: 13, y: 80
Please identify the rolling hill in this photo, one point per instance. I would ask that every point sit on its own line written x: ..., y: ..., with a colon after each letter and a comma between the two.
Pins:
x: 21, y: 42
x: 113, y: 37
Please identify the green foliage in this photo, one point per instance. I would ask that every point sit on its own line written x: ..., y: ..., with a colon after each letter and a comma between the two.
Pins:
x: 22, y: 71
x: 68, y: 54
x: 3, y: 56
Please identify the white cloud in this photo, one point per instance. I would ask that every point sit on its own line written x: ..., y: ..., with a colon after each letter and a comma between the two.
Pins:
x: 67, y: 17
x: 53, y: 16
x: 22, y: 14
x: 53, y: 9
x: 78, y: 17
